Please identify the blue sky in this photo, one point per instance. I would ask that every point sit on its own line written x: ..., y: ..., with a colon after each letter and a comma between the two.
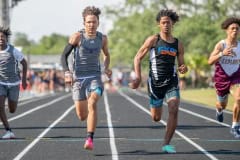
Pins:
x: 43, y: 17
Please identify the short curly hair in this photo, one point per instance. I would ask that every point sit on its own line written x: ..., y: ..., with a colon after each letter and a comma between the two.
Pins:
x: 91, y: 10
x: 5, y: 31
x: 230, y: 21
x: 169, y: 13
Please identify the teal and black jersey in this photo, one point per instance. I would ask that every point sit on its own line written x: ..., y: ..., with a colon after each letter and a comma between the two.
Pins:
x: 162, y: 61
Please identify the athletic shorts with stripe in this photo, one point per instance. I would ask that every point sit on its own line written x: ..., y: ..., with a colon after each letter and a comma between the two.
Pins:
x: 83, y: 87
x: 157, y: 93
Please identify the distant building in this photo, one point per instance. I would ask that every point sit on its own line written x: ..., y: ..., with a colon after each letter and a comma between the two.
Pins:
x: 43, y: 62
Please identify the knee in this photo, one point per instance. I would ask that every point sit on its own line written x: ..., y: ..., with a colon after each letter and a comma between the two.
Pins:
x: 173, y: 111
x: 12, y: 110
x: 238, y: 100
x: 12, y: 106
x: 81, y: 117
x: 221, y: 105
x: 156, y: 114
x: 92, y: 105
x: 156, y: 118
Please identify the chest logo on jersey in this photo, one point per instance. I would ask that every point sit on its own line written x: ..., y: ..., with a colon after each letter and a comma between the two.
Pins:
x: 167, y: 51
x: 230, y: 64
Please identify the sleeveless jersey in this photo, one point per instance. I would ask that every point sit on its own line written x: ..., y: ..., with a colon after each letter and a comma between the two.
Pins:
x: 227, y: 71
x: 9, y: 71
x: 86, y: 57
x: 162, y: 61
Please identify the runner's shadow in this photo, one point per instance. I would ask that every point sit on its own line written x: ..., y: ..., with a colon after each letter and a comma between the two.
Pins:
x: 44, y: 127
x: 134, y: 153
x: 224, y: 151
x: 134, y: 127
x: 189, y: 127
x: 83, y: 127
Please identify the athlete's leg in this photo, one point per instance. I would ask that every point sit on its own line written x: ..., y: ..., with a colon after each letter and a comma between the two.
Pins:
x: 3, y: 113
x: 92, y: 112
x: 9, y: 134
x: 220, y: 106
x: 156, y: 108
x: 92, y: 116
x: 221, y: 103
x: 12, y: 106
x: 80, y: 99
x: 94, y: 92
x: 156, y: 113
x: 81, y: 109
x: 173, y: 99
x: 13, y: 95
x: 235, y: 129
x: 173, y: 105
x: 236, y: 106
x: 155, y: 102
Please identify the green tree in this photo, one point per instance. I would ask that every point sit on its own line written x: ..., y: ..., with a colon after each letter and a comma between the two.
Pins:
x: 21, y: 39
x: 52, y: 44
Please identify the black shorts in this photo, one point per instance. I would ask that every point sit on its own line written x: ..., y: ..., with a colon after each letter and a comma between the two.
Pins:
x: 167, y: 87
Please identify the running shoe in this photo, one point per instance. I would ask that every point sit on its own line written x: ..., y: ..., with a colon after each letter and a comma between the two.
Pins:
x: 235, y: 131
x: 8, y: 135
x: 169, y: 149
x: 88, y: 144
x: 219, y: 116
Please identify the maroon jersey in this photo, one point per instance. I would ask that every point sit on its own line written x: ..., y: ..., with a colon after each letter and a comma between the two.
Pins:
x: 227, y: 71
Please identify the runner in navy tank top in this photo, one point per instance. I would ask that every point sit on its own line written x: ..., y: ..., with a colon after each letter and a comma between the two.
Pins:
x: 226, y: 57
x: 85, y: 72
x: 163, y: 49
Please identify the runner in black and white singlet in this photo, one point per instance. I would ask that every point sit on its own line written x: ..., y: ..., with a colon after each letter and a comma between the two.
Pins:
x: 162, y: 74
x: 10, y: 78
x: 226, y: 57
x: 163, y: 80
x: 85, y: 75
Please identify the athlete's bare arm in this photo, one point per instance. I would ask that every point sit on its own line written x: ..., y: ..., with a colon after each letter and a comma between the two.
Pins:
x: 24, y: 73
x: 144, y: 49
x: 218, y: 52
x: 106, y: 57
x: 75, y: 39
x: 182, y: 68
x: 214, y: 56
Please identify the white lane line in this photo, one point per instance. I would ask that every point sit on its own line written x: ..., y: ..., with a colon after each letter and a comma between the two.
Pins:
x: 193, y: 113
x: 110, y: 129
x: 204, y: 117
x: 207, y: 107
x: 35, y: 141
x: 36, y: 108
x: 212, y: 157
x: 32, y: 99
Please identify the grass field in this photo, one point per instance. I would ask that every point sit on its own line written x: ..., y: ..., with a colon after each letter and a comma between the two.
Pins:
x: 204, y: 96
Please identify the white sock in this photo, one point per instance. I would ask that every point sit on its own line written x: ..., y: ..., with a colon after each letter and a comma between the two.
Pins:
x: 234, y: 124
x: 219, y: 112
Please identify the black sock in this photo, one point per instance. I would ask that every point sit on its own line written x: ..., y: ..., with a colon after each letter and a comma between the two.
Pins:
x: 90, y: 135
x: 8, y: 129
